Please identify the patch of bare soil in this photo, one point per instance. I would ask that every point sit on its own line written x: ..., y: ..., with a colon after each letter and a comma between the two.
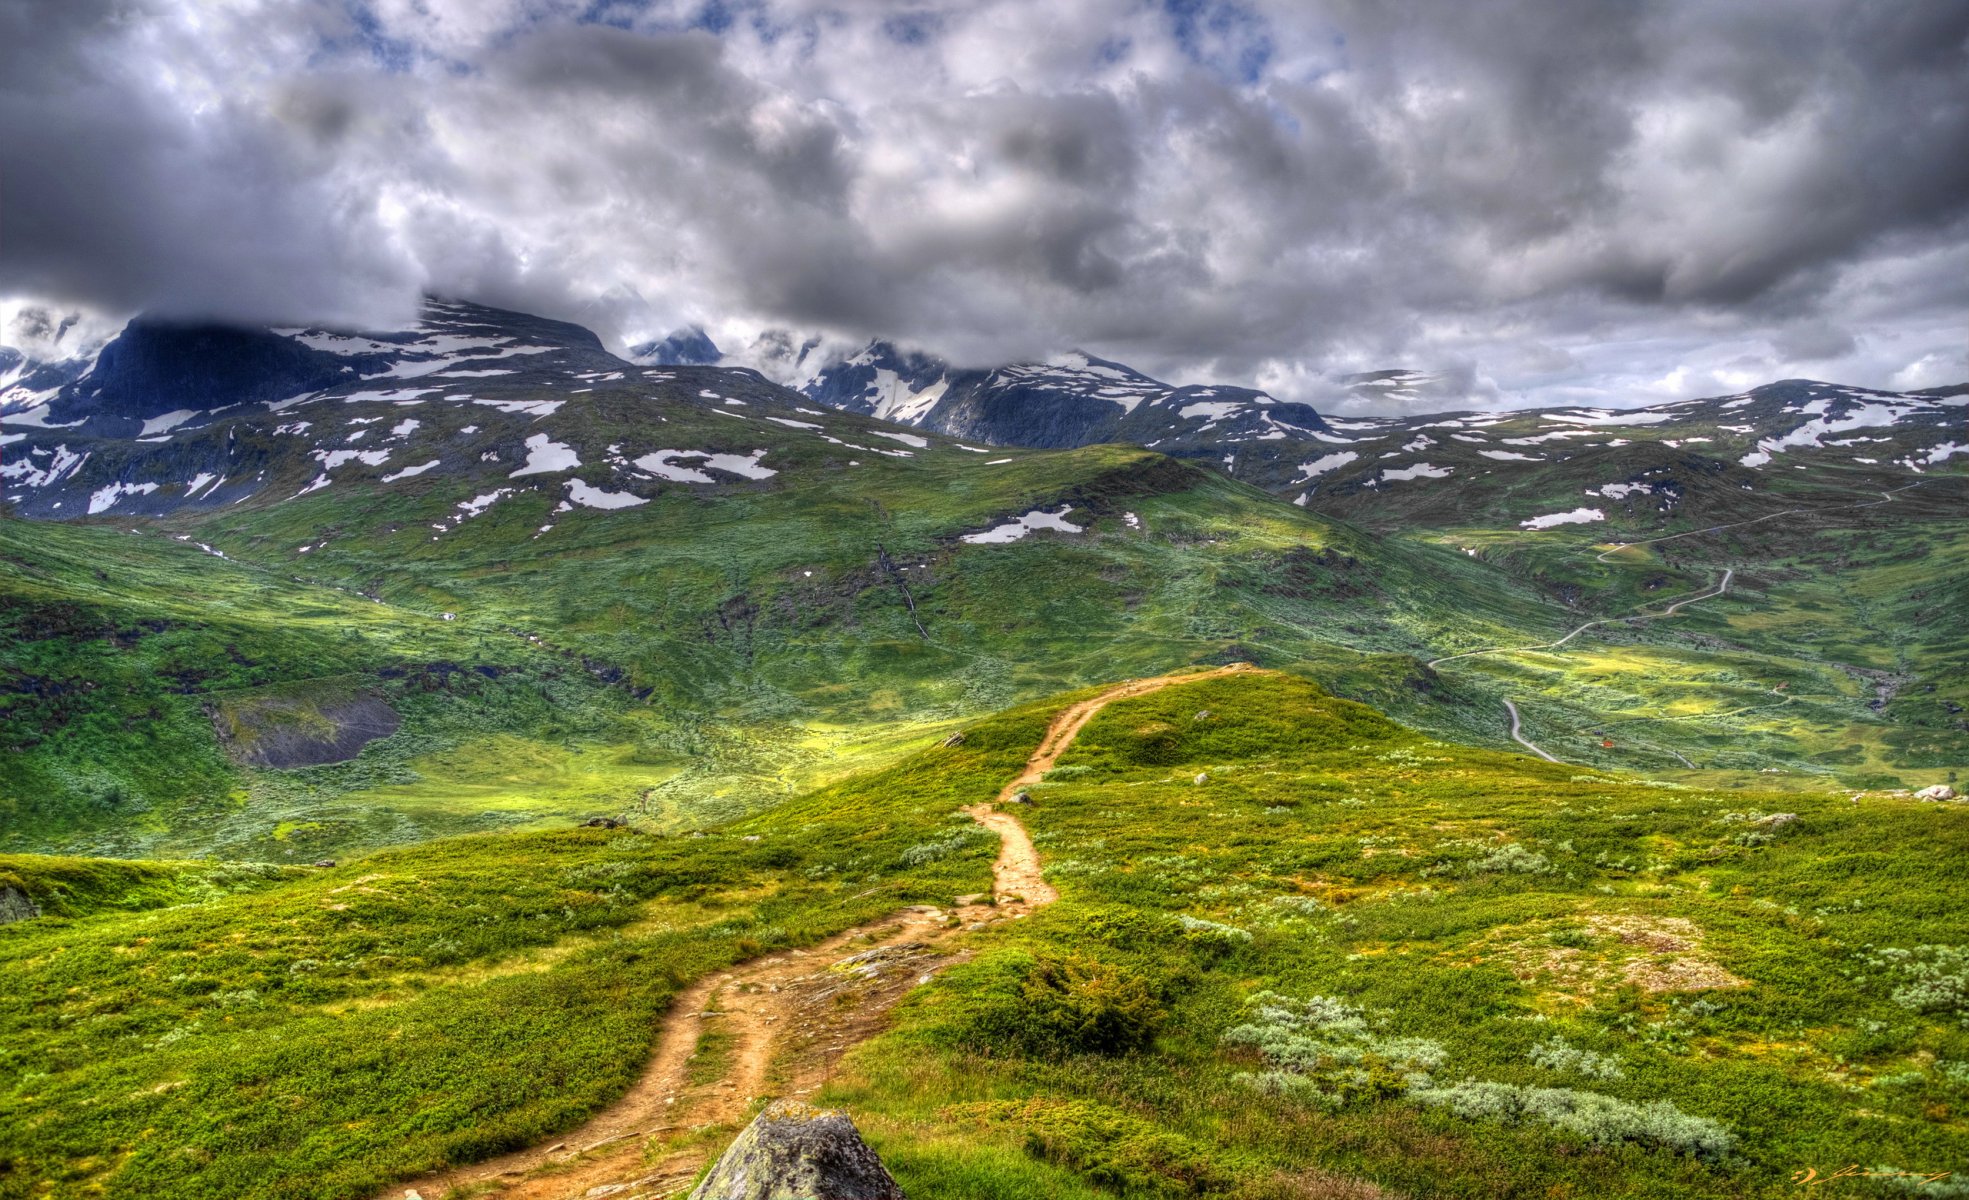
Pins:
x: 1656, y: 954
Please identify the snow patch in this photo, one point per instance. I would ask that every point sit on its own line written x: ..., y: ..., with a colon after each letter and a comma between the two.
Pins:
x: 1578, y: 516
x: 1325, y: 463
x: 539, y: 408
x: 393, y: 394
x: 668, y: 464
x: 1620, y: 491
x: 1418, y: 471
x: 594, y: 497
x: 103, y: 499
x: 545, y: 455
x: 1012, y: 531
x: 167, y: 422
x: 408, y: 472
x: 1216, y: 410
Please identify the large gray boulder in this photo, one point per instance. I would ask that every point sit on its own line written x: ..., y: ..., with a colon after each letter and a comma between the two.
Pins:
x: 794, y: 1151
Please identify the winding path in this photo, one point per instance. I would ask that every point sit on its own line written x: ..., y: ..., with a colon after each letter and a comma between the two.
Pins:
x: 787, y: 1020
x: 1729, y: 574
x: 1722, y: 587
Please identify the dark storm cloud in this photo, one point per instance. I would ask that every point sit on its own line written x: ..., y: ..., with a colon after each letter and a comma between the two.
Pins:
x: 112, y: 193
x: 1525, y: 197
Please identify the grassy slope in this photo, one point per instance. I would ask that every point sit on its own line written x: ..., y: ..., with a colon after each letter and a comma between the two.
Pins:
x: 692, y: 659
x: 317, y: 1037
x: 1832, y: 604
x: 428, y: 1004
x: 1404, y: 899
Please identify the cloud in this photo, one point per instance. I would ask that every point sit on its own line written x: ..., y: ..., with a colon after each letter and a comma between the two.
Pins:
x: 1530, y: 200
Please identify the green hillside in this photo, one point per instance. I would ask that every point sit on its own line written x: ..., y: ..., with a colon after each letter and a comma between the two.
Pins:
x: 714, y: 649
x: 692, y: 658
x: 1300, y: 951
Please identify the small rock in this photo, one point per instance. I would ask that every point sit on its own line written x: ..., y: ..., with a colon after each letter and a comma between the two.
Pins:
x: 793, y: 1151
x: 1022, y: 798
x: 955, y: 739
x: 1202, y: 777
x: 604, y: 823
x: 1774, y: 820
x: 970, y: 898
x: 16, y: 906
x: 325, y: 862
x: 1940, y: 791
x: 750, y: 837
x: 1205, y: 715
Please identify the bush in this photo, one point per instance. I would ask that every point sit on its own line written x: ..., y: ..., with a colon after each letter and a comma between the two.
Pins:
x: 1055, y: 1005
x: 1560, y: 1055
x: 1324, y: 1049
x: 1114, y: 1149
x: 1935, y: 979
x: 1602, y: 1120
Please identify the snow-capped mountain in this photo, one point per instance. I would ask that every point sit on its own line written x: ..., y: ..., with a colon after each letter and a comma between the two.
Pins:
x: 1074, y: 400
x: 170, y: 416
x: 690, y: 347
x: 1443, y: 468
x: 158, y: 375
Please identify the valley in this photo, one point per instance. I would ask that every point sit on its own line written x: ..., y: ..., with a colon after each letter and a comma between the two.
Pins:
x: 498, y: 767
x: 562, y: 621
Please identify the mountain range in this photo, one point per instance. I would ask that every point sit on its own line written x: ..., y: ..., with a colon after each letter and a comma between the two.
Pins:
x: 85, y: 426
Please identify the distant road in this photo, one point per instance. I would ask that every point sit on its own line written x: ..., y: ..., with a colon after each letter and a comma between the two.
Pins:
x: 1721, y: 588
x: 1729, y: 573
x: 1520, y: 738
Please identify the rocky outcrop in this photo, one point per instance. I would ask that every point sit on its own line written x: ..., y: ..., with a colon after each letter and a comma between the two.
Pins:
x: 298, y: 729
x: 794, y: 1151
x: 15, y: 906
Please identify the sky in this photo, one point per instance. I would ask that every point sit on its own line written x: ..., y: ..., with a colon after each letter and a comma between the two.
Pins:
x: 1538, y: 201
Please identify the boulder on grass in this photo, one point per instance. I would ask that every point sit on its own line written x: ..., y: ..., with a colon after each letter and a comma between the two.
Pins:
x: 1940, y: 791
x: 794, y: 1151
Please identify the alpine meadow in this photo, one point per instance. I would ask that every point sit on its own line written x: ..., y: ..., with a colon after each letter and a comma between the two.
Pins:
x: 984, y: 600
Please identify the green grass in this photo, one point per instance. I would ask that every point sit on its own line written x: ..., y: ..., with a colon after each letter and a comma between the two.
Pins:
x: 426, y: 1005
x: 706, y: 655
x: 688, y: 661
x: 1489, y: 919
x: 1470, y: 900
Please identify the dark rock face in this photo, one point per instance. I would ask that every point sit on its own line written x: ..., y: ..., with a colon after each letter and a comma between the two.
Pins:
x: 690, y: 347
x: 794, y: 1151
x: 292, y: 731
x: 154, y: 367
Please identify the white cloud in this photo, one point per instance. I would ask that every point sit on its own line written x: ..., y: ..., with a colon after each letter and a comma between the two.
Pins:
x: 1545, y: 202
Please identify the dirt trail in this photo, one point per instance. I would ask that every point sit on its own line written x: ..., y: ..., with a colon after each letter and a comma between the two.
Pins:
x: 1016, y: 874
x: 786, y: 1021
